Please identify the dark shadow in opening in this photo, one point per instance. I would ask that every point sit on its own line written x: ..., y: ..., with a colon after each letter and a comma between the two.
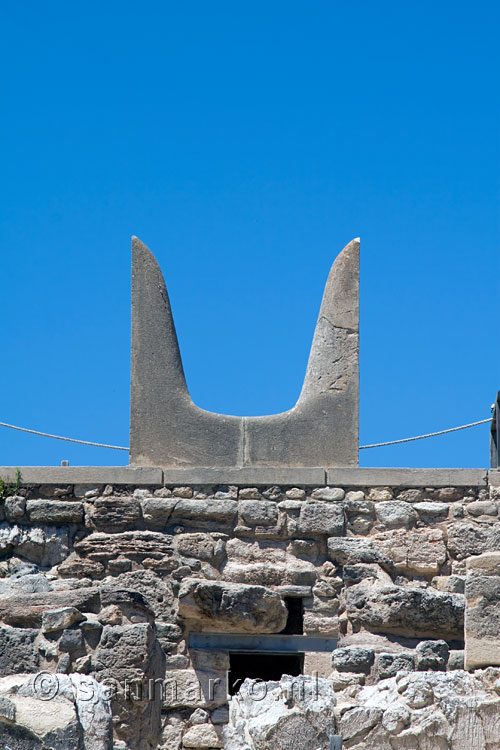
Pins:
x: 262, y: 666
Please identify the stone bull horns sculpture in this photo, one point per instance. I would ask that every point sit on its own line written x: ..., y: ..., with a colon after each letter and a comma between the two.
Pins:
x: 167, y: 429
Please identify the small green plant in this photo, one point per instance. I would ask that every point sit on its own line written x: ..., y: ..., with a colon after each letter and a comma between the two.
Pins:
x: 10, y: 488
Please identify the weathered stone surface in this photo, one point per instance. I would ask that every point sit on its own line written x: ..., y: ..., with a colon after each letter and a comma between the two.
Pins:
x: 423, y: 711
x: 321, y: 518
x: 432, y: 655
x: 194, y: 688
x: 419, y: 552
x: 157, y: 511
x: 328, y: 493
x: 203, y: 736
x: 466, y: 539
x: 396, y: 514
x: 114, y: 513
x: 17, y: 652
x: 482, y: 620
x: 157, y: 591
x: 81, y: 568
x: 24, y: 584
x: 318, y: 623
x: 75, y: 715
x: 295, y: 712
x: 205, y: 511
x: 388, y: 665
x: 358, y: 721
x: 201, y: 546
x: 15, y: 507
x: 57, y: 512
x: 28, y: 609
x: 44, y: 545
x: 130, y: 654
x: 353, y: 659
x: 219, y: 606
x: 405, y: 610
x: 258, y: 512
x: 267, y: 563
x: 130, y: 544
x: 59, y: 619
x: 168, y: 430
x: 349, y: 551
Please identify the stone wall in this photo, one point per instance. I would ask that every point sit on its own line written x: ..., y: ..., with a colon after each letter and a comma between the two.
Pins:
x: 112, y: 581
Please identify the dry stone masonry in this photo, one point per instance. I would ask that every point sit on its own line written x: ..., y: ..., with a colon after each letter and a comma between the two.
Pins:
x: 116, y: 585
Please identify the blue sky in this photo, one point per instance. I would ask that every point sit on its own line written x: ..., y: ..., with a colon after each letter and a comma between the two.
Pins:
x: 246, y: 144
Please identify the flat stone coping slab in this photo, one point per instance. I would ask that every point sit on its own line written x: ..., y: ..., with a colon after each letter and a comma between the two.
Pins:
x: 275, y: 643
x: 92, y: 475
x: 249, y: 477
x: 401, y: 477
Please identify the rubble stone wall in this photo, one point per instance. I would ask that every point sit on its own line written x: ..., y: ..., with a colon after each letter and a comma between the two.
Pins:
x: 109, y: 582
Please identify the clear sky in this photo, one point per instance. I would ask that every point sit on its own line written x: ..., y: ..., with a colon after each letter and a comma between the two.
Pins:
x: 246, y: 143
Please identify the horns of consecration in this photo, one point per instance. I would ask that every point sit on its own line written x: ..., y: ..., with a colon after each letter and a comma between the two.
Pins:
x: 167, y: 429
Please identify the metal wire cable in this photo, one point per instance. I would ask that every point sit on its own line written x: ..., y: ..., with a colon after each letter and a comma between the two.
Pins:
x: 67, y: 439
x: 428, y: 435
x: 361, y: 447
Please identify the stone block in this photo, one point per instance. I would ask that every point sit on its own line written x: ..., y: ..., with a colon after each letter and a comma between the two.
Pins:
x: 258, y: 512
x: 217, y: 606
x: 54, y: 511
x: 482, y: 618
x: 353, y: 659
x: 321, y: 518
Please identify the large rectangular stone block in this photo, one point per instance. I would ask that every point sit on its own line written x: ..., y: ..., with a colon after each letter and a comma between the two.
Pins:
x: 482, y: 611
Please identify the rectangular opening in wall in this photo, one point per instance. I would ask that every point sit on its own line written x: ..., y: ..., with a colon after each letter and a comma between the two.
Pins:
x: 262, y: 666
x: 295, y: 620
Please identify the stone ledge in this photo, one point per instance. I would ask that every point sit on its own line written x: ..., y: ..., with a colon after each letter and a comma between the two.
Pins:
x: 401, y: 477
x: 260, y: 475
x: 92, y: 475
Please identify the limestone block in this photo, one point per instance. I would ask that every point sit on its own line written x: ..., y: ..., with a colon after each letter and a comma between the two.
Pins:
x: 157, y: 511
x: 76, y: 714
x: 28, y: 609
x: 417, y: 552
x: 405, y: 610
x: 130, y: 544
x: 208, y: 511
x: 17, y: 652
x: 353, y: 659
x: 317, y: 623
x: 328, y: 493
x: 15, y: 507
x: 282, y: 715
x: 321, y: 518
x: 208, y: 547
x: 54, y: 511
x: 482, y: 618
x: 115, y: 513
x: 358, y: 721
x: 218, y: 606
x: 395, y: 514
x: 258, y: 512
x: 59, y: 619
x: 194, y: 688
x: 266, y: 563
x: 352, y: 550
x: 203, y: 736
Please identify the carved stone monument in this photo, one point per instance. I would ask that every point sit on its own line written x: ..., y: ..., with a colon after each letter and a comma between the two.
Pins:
x: 167, y: 429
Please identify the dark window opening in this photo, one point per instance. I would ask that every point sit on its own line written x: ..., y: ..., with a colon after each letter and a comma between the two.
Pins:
x: 295, y: 620
x: 262, y: 666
